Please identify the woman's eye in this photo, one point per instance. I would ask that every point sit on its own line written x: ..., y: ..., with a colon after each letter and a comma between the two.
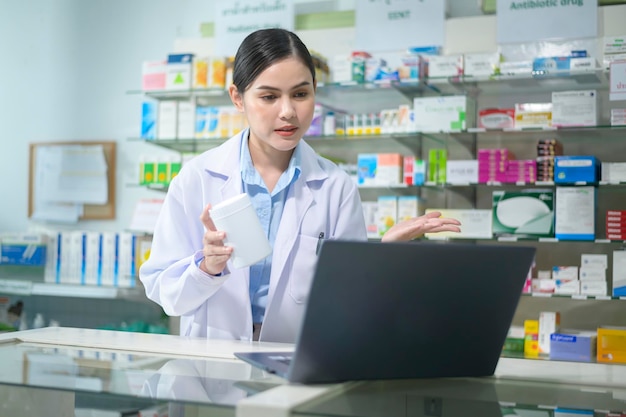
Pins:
x: 301, y: 94
x: 268, y: 97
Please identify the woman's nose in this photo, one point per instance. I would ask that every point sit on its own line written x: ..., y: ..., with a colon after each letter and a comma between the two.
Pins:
x: 287, y: 109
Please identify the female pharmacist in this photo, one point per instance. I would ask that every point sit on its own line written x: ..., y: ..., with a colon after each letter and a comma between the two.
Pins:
x: 298, y: 196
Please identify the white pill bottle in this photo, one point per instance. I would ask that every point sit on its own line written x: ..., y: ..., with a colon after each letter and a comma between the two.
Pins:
x: 244, y: 232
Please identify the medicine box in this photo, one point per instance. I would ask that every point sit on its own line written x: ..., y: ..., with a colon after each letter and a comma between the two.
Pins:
x: 619, y: 273
x: 148, y: 120
x: 594, y: 260
x: 567, y: 286
x: 575, y: 346
x: 527, y: 212
x: 443, y: 114
x: 475, y: 224
x: 595, y: 288
x: 574, y: 108
x: 531, y: 337
x: 167, y: 120
x: 153, y: 75
x: 462, y: 171
x: 533, y: 115
x: 414, y: 170
x: 496, y: 118
x: 614, y: 44
x: 178, y: 72
x: 565, y: 272
x: 445, y: 65
x: 549, y: 322
x: 482, y: 64
x: 570, y: 169
x: 23, y: 249
x: 186, y: 120
x: 516, y: 68
x: 546, y: 65
x: 611, y: 344
x: 551, y: 64
x: 614, y: 171
x: 575, y: 213
x: 387, y: 214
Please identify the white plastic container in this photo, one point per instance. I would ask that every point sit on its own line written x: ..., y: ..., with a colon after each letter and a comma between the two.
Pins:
x: 244, y: 232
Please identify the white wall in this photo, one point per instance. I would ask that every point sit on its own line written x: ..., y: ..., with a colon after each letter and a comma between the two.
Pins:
x: 67, y: 65
x: 66, y: 68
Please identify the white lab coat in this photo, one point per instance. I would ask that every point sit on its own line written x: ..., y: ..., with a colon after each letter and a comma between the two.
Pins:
x: 322, y: 199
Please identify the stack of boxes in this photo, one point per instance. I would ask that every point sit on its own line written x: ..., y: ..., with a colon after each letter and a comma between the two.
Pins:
x: 493, y: 164
x: 547, y: 150
x: 158, y: 171
x: 92, y: 258
x: 616, y: 224
x: 587, y: 279
x: 618, y: 117
x: 592, y: 274
x: 521, y: 170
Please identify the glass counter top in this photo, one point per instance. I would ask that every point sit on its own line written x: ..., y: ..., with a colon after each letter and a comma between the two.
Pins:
x: 85, y: 369
x: 128, y: 374
x: 484, y: 397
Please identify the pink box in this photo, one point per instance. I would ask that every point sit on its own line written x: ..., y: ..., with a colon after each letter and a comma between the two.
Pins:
x: 153, y: 75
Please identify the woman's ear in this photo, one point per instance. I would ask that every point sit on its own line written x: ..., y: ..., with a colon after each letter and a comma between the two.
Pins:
x: 235, y: 97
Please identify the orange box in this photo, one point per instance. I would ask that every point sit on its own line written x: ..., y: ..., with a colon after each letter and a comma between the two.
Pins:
x: 612, y: 344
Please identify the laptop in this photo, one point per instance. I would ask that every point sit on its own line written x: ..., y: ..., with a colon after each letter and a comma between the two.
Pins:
x: 419, y: 309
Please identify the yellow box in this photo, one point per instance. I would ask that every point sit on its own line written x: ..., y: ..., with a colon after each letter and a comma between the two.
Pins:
x: 531, y: 337
x: 531, y: 327
x: 612, y: 344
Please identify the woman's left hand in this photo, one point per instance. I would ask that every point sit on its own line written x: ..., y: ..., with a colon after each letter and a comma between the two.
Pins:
x: 416, y: 227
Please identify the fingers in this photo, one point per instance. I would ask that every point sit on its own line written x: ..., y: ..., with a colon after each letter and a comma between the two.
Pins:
x: 433, y: 219
x: 205, y: 218
x: 216, y: 254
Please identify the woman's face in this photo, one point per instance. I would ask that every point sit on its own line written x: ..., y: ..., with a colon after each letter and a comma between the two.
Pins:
x: 278, y: 105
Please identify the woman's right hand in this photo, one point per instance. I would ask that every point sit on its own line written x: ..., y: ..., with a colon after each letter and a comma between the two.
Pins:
x: 215, y: 253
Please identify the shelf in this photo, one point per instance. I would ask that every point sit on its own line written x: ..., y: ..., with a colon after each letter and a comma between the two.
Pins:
x: 27, y: 288
x: 597, y: 79
x: 581, y: 297
x: 216, y: 96
x: 544, y: 357
x: 184, y: 145
x: 531, y: 239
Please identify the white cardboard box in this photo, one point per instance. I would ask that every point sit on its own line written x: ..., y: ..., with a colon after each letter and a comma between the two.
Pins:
x: 443, y: 114
x: 574, y: 108
x: 475, y: 224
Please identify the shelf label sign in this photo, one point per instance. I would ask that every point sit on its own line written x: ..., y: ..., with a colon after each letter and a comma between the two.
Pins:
x: 617, y: 74
x: 521, y: 21
x: 236, y: 20
x: 8, y: 286
x: 395, y: 25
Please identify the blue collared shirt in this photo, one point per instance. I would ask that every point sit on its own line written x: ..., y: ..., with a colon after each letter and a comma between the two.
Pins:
x: 269, y: 208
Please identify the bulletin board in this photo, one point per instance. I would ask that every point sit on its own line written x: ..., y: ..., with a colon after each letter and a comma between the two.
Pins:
x: 90, y: 211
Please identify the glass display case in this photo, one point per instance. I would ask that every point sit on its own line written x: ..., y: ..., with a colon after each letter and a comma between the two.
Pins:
x: 84, y: 372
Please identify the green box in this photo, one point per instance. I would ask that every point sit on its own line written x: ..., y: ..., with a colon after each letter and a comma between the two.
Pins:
x: 523, y: 213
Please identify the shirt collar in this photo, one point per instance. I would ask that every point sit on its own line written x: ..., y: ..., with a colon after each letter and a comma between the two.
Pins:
x: 250, y: 175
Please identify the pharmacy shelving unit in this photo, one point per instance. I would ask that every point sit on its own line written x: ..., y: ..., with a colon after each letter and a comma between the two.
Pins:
x: 75, y: 305
x: 607, y: 143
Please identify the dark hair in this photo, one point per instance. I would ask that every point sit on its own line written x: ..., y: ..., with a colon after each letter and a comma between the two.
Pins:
x: 263, y: 48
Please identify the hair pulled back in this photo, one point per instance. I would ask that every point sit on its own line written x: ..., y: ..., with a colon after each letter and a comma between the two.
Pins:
x: 263, y: 48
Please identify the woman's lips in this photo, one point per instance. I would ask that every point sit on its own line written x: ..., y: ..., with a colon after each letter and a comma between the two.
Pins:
x: 286, y: 131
